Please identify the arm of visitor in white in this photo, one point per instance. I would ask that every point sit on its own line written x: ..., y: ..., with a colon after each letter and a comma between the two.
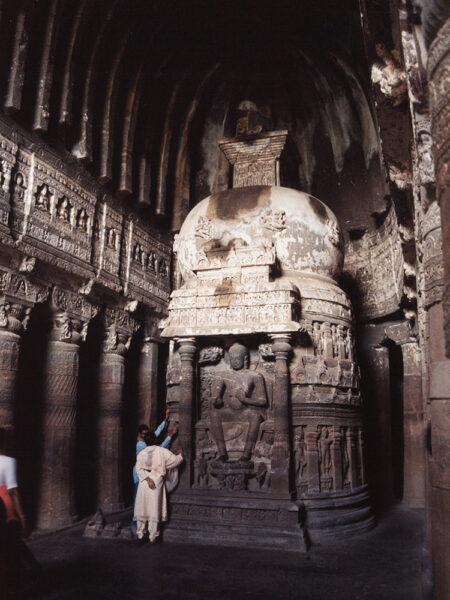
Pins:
x: 172, y: 463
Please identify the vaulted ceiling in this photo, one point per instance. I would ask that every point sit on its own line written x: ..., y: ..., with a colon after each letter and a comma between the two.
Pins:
x: 140, y: 91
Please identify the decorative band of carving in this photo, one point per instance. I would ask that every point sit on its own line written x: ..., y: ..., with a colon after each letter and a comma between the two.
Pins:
x: 60, y: 416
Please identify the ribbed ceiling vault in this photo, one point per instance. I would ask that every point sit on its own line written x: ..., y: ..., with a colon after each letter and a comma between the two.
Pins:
x: 140, y: 91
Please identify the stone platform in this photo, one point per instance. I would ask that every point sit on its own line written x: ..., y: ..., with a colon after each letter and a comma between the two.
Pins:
x: 233, y: 518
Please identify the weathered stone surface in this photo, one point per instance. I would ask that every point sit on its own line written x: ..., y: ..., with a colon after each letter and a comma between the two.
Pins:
x: 276, y: 359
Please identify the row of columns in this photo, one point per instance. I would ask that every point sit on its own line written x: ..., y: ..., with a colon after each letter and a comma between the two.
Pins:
x: 280, y: 466
x: 56, y: 506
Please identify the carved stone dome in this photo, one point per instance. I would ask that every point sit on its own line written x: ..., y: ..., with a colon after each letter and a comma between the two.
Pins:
x: 300, y: 231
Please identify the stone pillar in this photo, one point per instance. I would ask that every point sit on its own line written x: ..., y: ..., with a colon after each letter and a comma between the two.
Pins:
x: 280, y: 465
x: 56, y: 499
x: 187, y: 349
x: 10, y: 330
x: 111, y: 380
x: 413, y: 428
x: 378, y: 420
x: 436, y: 20
x: 148, y: 383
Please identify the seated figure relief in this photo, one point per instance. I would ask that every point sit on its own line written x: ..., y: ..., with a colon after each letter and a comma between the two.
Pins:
x: 237, y: 394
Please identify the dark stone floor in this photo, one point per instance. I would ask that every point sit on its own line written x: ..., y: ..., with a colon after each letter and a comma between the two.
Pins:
x: 384, y: 564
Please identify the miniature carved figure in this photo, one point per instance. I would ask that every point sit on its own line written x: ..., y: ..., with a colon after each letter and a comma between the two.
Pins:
x: 43, y: 198
x: 111, y: 238
x: 19, y: 187
x: 163, y: 268
x: 151, y: 261
x: 82, y: 220
x: 274, y: 219
x: 238, y: 390
x: 5, y: 175
x: 63, y: 210
x: 137, y: 253
x: 210, y: 355
x: 300, y: 455
x: 324, y: 452
x: 425, y: 158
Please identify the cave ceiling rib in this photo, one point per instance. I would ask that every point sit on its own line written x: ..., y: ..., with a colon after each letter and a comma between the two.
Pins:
x: 140, y: 93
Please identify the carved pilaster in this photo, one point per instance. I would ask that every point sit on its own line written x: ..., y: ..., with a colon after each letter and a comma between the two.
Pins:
x: 281, y: 451
x: 10, y: 330
x: 187, y: 350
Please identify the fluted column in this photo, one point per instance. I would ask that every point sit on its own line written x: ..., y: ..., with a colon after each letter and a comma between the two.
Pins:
x: 187, y: 349
x: 280, y: 466
x: 10, y: 330
x: 111, y: 380
x: 56, y: 500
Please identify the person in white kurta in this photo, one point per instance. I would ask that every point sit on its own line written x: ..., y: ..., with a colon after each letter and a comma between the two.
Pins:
x: 152, y: 466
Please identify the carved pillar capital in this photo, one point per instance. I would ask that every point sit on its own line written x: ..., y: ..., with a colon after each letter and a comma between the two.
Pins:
x: 11, y: 316
x: 11, y: 327
x: 187, y: 348
x: 71, y: 314
x: 115, y: 342
x: 63, y: 329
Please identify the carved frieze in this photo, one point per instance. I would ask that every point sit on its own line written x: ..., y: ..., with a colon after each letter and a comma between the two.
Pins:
x: 147, y: 260
x: 376, y: 265
x: 8, y: 153
x: 263, y: 307
x: 74, y: 304
x: 52, y: 213
x: 432, y: 265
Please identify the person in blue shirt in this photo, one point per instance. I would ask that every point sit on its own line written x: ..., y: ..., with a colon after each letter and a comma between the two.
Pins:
x: 143, y: 430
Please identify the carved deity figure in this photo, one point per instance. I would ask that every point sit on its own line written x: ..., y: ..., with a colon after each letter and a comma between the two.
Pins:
x: 163, y: 268
x: 63, y: 210
x: 82, y: 220
x: 324, y: 452
x: 137, y: 254
x: 151, y: 261
x: 5, y: 175
x: 241, y: 394
x: 300, y: 455
x: 111, y: 238
x: 19, y: 187
x: 42, y: 198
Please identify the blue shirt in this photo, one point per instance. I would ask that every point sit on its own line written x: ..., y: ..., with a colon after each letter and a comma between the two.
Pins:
x: 141, y: 445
